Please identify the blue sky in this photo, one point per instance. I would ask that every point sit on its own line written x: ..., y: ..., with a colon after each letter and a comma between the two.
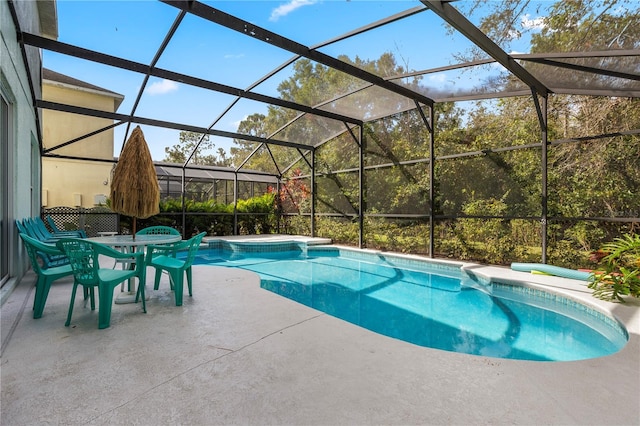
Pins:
x: 134, y: 30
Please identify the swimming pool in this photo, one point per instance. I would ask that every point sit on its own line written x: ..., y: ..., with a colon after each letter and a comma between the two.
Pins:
x: 425, y: 303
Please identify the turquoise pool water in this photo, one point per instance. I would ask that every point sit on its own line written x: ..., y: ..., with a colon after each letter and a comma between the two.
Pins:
x: 436, y: 307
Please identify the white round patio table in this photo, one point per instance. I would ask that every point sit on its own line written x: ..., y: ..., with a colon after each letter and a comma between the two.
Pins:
x: 127, y: 244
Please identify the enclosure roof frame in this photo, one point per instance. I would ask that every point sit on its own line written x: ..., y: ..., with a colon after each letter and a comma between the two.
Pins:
x: 443, y: 9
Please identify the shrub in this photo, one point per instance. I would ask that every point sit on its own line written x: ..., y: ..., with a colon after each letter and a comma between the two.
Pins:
x: 257, y: 215
x: 619, y: 273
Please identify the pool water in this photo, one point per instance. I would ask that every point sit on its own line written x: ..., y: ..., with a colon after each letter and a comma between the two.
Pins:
x: 437, y: 308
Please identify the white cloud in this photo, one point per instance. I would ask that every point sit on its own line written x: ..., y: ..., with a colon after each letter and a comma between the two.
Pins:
x: 236, y: 124
x: 161, y: 87
x: 532, y: 24
x: 287, y: 8
x: 438, y: 78
x: 234, y: 56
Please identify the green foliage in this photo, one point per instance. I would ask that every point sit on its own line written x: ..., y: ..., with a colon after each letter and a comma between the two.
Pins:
x: 211, y: 216
x: 619, y: 271
x: 401, y: 236
x: 491, y: 236
x: 340, y: 230
x: 586, y: 234
x: 295, y: 225
x: 565, y: 253
x: 257, y: 215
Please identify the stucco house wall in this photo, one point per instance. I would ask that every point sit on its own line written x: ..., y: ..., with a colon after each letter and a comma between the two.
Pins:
x: 21, y: 161
x: 73, y: 182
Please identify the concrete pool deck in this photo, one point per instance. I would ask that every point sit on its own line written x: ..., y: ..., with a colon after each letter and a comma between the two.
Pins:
x: 237, y: 354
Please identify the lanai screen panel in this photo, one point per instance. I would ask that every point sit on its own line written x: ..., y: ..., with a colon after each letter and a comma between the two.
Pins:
x: 341, y: 153
x: 300, y: 165
x: 295, y: 196
x: 581, y: 117
x: 130, y: 38
x: 310, y: 130
x: 579, y: 81
x: 476, y: 126
x: 244, y: 109
x: 629, y: 64
x: 263, y: 161
x: 102, y: 76
x: 247, y: 148
x: 553, y: 30
x: 225, y: 56
x: 305, y: 26
x: 398, y: 46
x: 595, y: 26
x: 398, y: 138
x: 322, y: 83
x: 316, y: 85
x: 418, y: 52
x: 135, y: 30
x: 283, y: 157
x: 369, y: 103
x: 337, y: 193
x: 73, y: 142
x: 493, y: 184
x: 418, y: 41
x: 182, y: 103
x: 484, y: 80
x: 577, y: 165
x: 401, y: 189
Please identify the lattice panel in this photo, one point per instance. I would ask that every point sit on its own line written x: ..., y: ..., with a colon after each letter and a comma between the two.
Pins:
x: 92, y: 221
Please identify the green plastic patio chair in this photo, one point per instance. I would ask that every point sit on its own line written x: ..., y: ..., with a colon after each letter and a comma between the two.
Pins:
x: 40, y: 255
x: 47, y: 260
x: 55, y: 231
x: 158, y: 230
x: 83, y: 255
x: 37, y: 232
x: 161, y: 257
x: 25, y: 227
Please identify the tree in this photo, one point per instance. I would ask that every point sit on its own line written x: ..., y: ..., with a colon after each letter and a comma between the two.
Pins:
x: 567, y: 26
x: 180, y: 152
x: 253, y: 125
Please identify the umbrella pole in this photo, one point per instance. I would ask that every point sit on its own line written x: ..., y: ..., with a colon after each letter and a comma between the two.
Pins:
x: 134, y: 228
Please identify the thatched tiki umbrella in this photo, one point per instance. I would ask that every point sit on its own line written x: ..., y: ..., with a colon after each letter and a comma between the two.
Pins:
x: 134, y: 186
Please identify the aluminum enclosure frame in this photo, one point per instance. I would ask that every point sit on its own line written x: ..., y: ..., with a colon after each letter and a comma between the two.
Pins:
x: 444, y: 9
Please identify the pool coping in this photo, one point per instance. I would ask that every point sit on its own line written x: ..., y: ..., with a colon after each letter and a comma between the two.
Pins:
x: 269, y: 239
